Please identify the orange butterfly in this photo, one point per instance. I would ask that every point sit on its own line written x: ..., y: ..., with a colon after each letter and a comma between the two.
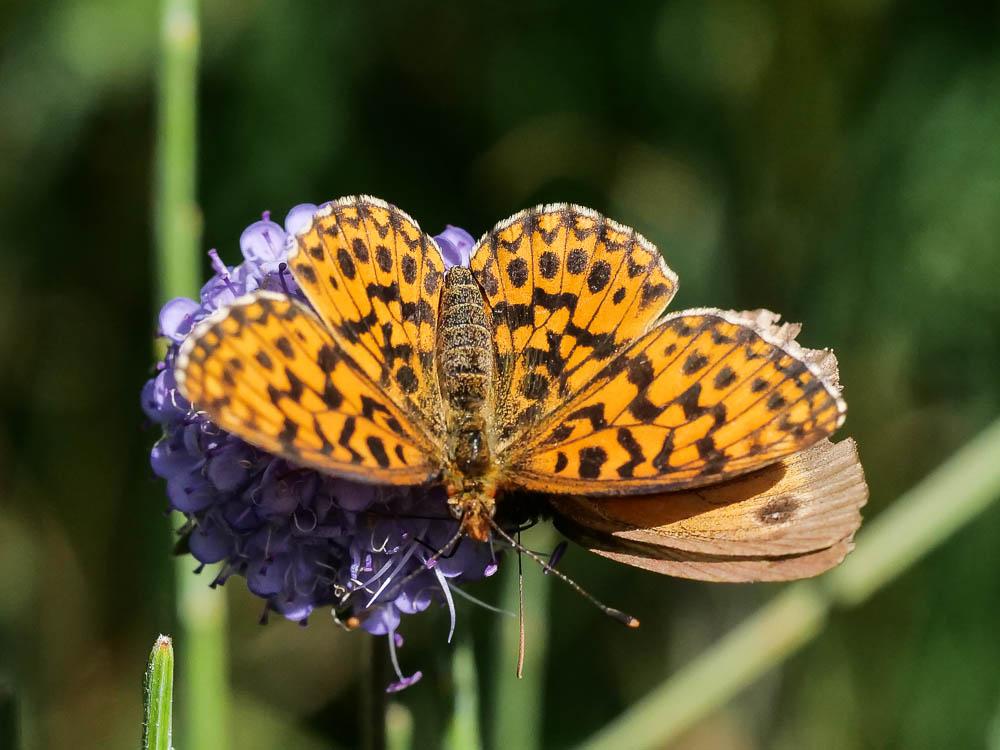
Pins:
x: 693, y: 444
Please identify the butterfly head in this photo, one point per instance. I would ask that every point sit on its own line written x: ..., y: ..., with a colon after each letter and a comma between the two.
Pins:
x: 473, y: 502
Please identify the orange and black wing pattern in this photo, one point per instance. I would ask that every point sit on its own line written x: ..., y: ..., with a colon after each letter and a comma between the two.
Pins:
x: 375, y: 279
x: 793, y: 519
x: 567, y: 290
x: 704, y: 396
x: 266, y: 369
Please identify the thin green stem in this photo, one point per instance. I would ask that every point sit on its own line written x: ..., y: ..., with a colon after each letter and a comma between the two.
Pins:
x: 10, y: 735
x: 201, y: 612
x: 517, y: 704
x: 464, y: 732
x: 158, y: 698
x: 398, y: 727
x: 178, y: 224
x: 374, y: 680
x: 916, y: 523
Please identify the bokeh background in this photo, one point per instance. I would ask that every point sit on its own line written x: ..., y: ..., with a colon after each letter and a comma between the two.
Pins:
x: 837, y: 161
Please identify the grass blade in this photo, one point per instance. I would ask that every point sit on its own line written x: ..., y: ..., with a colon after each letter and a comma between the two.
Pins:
x: 517, y: 704
x: 463, y: 732
x: 158, y: 696
x: 201, y: 612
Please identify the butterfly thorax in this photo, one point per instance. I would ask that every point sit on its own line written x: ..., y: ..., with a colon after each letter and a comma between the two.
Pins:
x: 466, y: 370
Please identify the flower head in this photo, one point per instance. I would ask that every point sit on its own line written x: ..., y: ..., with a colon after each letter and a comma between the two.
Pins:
x: 301, y: 539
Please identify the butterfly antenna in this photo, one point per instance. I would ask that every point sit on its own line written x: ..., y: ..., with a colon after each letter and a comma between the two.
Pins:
x: 617, y: 614
x: 520, y: 612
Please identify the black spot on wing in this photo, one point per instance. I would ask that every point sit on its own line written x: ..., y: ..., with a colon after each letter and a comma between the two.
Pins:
x: 778, y: 510
x: 407, y: 379
x: 377, y: 448
x: 360, y: 250
x: 561, y: 462
x: 264, y: 360
x: 383, y: 258
x: 694, y: 362
x: 576, y: 261
x: 285, y: 347
x: 346, y: 264
x: 599, y: 276
x: 305, y: 271
x: 592, y: 458
x: 548, y: 264
x: 627, y: 441
x: 593, y: 413
x: 724, y: 378
x: 409, y: 266
x: 517, y: 272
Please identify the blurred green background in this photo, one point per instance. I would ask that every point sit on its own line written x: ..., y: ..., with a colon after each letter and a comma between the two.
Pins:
x: 836, y: 161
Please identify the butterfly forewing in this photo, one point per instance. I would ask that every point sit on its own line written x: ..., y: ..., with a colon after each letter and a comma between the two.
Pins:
x: 704, y: 396
x: 268, y: 371
x: 374, y: 278
x: 566, y: 289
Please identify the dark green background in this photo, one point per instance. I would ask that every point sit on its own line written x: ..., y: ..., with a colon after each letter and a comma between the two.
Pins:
x: 838, y: 162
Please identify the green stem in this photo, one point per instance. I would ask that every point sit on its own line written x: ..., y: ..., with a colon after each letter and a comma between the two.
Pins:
x: 201, y: 612
x: 916, y: 523
x: 373, y: 709
x: 178, y: 225
x: 10, y: 735
x: 398, y: 727
x: 517, y: 704
x: 464, y: 732
x: 158, y: 697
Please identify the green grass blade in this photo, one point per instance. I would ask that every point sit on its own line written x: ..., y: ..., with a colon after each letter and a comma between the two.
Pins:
x: 517, y: 704
x: 398, y: 727
x: 463, y: 732
x: 159, y: 696
x: 201, y: 612
x: 916, y: 523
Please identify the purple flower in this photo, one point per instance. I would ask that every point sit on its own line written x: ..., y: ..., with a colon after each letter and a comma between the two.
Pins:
x: 456, y: 246
x: 302, y: 540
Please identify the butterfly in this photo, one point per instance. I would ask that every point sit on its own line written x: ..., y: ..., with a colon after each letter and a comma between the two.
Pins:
x: 693, y: 443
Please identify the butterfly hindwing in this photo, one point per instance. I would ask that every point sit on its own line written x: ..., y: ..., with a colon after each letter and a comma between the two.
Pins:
x: 793, y: 519
x: 566, y: 289
x: 374, y: 278
x: 704, y: 396
x: 266, y: 370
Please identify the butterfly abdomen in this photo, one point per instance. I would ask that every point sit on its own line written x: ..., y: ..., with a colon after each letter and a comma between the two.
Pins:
x: 465, y: 365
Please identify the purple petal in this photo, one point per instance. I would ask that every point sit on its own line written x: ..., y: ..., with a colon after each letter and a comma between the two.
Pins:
x: 263, y: 242
x: 456, y: 246
x: 296, y: 610
x: 176, y: 317
x: 190, y: 493
x: 299, y: 218
x: 353, y: 496
x: 382, y: 620
x: 210, y: 543
x: 267, y: 577
x: 160, y: 399
x: 416, y: 597
x: 413, y: 679
x: 230, y: 467
x: 170, y: 458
